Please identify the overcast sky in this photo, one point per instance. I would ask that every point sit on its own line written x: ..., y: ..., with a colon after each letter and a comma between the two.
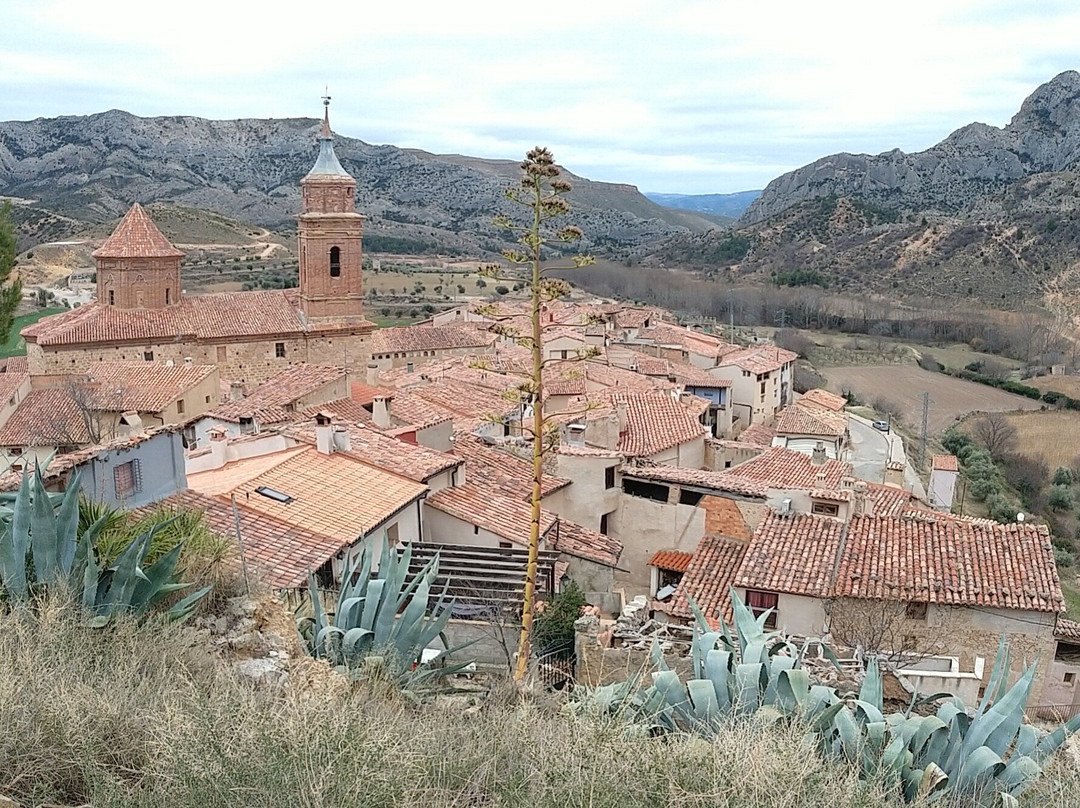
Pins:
x: 678, y: 96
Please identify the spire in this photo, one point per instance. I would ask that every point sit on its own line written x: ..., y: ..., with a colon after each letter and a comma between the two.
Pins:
x: 327, y: 163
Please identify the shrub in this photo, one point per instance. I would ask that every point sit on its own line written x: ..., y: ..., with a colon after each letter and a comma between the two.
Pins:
x: 1060, y: 498
x: 983, y: 488
x: 1063, y: 476
x: 1028, y: 475
x: 1002, y: 508
x: 927, y: 362
x: 502, y: 290
x: 555, y: 624
x: 1063, y: 558
x: 954, y: 440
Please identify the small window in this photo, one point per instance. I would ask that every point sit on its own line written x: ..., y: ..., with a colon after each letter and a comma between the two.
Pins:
x: 1070, y: 678
x: 689, y: 497
x: 915, y: 611
x: 409, y: 367
x: 506, y: 545
x: 148, y: 356
x: 247, y: 425
x: 112, y: 298
x: 208, y: 399
x: 761, y: 602
x: 825, y: 509
x: 168, y: 296
x: 180, y: 406
x: 279, y: 350
x: 604, y: 523
x: 14, y: 450
x: 127, y: 478
x: 609, y: 477
x: 727, y: 464
x: 274, y: 494
x: 335, y: 262
x: 763, y: 388
x: 476, y: 530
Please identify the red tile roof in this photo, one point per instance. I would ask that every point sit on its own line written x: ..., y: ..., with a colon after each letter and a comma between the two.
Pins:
x: 261, y: 313
x: 655, y: 422
x: 137, y: 237
x: 497, y: 469
x: 709, y: 578
x: 798, y: 420
x: 429, y: 338
x: 757, y: 435
x: 784, y: 468
x: 281, y: 553
x: 823, y: 399
x: 271, y: 402
x: 476, y: 505
x: 759, y: 359
x: 952, y: 562
x: 573, y: 539
x: 675, y: 560
x: 144, y: 386
x: 48, y: 417
x: 945, y: 463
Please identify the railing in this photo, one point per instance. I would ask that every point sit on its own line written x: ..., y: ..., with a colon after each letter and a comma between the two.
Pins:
x: 1052, y: 712
x: 555, y: 665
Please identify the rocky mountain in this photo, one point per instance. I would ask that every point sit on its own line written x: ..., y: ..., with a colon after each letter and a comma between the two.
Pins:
x: 73, y: 171
x: 954, y: 175
x: 729, y: 206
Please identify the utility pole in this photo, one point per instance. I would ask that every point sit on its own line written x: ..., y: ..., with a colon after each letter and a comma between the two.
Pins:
x: 925, y: 422
x: 731, y: 316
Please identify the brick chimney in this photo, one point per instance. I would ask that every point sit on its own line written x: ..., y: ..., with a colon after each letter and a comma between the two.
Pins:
x: 219, y: 444
x: 236, y: 391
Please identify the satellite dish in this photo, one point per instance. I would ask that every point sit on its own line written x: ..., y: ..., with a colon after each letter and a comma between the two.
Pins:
x: 1020, y: 518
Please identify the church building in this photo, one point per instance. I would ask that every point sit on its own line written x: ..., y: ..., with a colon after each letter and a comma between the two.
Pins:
x: 141, y: 313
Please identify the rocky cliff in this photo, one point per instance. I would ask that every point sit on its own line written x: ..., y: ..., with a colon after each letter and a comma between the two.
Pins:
x: 976, y: 160
x: 90, y: 169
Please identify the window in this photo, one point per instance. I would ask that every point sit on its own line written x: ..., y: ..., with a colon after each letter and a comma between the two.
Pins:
x: 112, y: 298
x: 279, y: 350
x: 609, y: 477
x: 274, y: 494
x: 14, y: 450
x: 689, y: 497
x: 127, y: 478
x: 825, y: 509
x: 604, y: 523
x: 180, y: 406
x: 763, y: 388
x: 1070, y: 678
x: 727, y: 464
x: 409, y: 367
x: 915, y: 611
x: 247, y: 425
x: 222, y: 353
x: 335, y: 262
x: 167, y: 296
x: 761, y: 602
x: 640, y: 488
x: 148, y: 356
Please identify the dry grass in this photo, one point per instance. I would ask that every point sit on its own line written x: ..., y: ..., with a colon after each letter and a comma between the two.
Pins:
x: 1051, y: 435
x: 1069, y: 385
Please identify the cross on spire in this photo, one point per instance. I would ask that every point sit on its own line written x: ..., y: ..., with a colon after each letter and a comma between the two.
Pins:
x: 326, y: 113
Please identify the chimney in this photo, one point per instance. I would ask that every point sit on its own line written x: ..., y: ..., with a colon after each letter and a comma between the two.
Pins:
x: 819, y: 478
x: 818, y: 457
x: 341, y: 439
x: 130, y: 423
x: 236, y: 391
x: 218, y: 446
x: 860, y: 505
x: 372, y: 374
x: 324, y: 438
x: 380, y: 412
x: 620, y: 412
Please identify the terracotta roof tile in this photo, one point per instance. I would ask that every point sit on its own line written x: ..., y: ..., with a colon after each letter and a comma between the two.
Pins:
x: 137, y: 237
x: 499, y: 470
x: 784, y: 468
x: 477, y: 505
x: 655, y: 422
x: 144, y: 386
x: 709, y: 578
x: 798, y: 420
x: 272, y: 401
x: 822, y: 399
x: 945, y: 463
x: 759, y: 359
x: 675, y: 560
x: 429, y: 338
x: 1067, y: 630
x: 282, y: 553
x: 793, y: 553
x: 47, y: 417
x: 573, y: 539
x: 757, y: 435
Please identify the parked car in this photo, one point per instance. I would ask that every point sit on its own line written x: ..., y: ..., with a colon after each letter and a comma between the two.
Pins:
x: 882, y: 426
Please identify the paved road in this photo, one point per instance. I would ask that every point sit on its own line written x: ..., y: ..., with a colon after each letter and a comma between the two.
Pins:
x: 869, y: 451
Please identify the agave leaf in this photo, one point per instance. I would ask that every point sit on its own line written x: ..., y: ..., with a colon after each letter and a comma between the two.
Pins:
x: 185, y: 607
x: 751, y: 681
x: 746, y: 627
x: 931, y: 780
x: 848, y: 735
x: 316, y: 603
x: 701, y: 645
x: 667, y: 684
x: 1052, y: 742
x: 867, y: 713
x: 43, y: 536
x: 150, y: 589
x: 67, y: 525
x: 355, y: 642
x: 1027, y: 740
x: 374, y: 601
x: 792, y: 690
x: 776, y: 665
x: 824, y: 722
x: 706, y: 708
x: 125, y: 574
x: 91, y: 573
x: 997, y: 727
x: 930, y: 727
x: 1020, y: 772
x: 718, y: 671
x: 977, y: 770
x: 871, y: 691
x: 998, y: 674
x: 657, y: 656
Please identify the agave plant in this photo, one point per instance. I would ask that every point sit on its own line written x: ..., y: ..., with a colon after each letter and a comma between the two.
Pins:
x: 382, y: 621
x: 41, y: 547
x: 989, y: 756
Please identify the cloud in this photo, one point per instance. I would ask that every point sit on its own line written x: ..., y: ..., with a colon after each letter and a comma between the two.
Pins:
x: 693, y: 96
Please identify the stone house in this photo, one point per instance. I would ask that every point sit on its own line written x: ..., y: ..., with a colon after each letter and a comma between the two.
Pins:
x: 415, y: 346
x: 761, y: 382
x: 944, y: 471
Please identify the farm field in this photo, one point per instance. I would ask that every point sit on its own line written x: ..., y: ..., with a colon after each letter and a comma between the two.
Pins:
x: 1069, y: 385
x: 16, y: 345
x: 1051, y: 435
x: 950, y: 399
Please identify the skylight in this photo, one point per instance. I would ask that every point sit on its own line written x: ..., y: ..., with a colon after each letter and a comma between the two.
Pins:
x: 274, y: 494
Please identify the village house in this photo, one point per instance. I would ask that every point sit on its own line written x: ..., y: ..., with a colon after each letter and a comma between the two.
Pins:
x: 944, y: 471
x: 411, y: 347
x: 761, y: 379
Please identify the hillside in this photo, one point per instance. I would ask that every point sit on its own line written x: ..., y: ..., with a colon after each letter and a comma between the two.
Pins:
x: 70, y: 172
x: 729, y: 206
x: 975, y: 160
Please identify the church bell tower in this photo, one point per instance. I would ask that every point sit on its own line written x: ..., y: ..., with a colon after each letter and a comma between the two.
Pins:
x: 330, y: 235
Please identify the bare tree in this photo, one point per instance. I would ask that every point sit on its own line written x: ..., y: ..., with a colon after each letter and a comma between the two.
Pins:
x: 87, y: 415
x: 993, y: 432
x: 892, y: 630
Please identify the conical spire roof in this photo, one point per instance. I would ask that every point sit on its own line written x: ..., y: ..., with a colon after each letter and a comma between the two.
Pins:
x: 137, y: 237
x: 327, y: 164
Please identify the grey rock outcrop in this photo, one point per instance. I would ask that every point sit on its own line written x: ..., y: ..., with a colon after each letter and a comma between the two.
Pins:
x: 975, y: 160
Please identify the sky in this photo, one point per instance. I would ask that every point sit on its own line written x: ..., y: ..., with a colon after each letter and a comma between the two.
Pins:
x: 676, y: 96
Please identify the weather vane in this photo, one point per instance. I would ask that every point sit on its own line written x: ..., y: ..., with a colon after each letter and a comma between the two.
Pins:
x: 326, y: 96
